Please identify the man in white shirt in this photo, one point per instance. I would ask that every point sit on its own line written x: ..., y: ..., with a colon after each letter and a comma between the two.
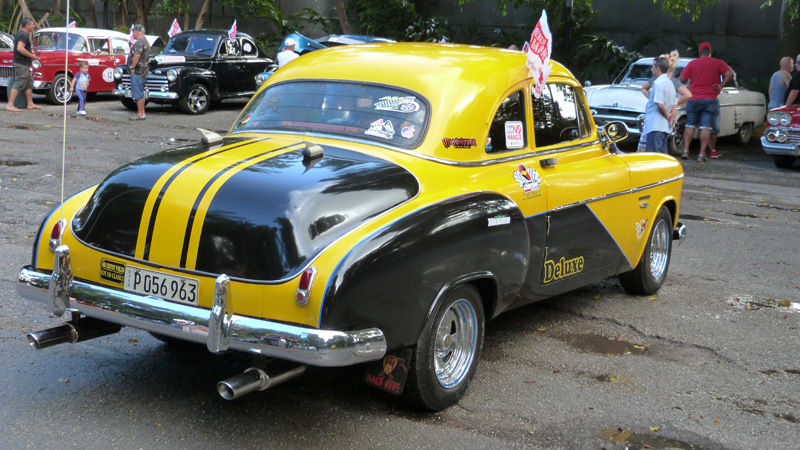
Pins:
x: 658, y: 114
x: 288, y: 53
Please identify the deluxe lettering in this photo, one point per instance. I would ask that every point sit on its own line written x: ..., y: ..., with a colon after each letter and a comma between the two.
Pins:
x: 554, y: 271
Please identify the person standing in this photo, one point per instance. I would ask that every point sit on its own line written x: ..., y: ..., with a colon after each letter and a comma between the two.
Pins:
x: 139, y: 68
x: 288, y: 53
x: 80, y: 84
x: 704, y: 73
x: 23, y: 58
x: 682, y: 92
x: 659, y: 114
x: 792, y: 95
x: 779, y: 82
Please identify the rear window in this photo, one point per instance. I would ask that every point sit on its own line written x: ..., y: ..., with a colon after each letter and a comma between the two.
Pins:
x: 382, y: 114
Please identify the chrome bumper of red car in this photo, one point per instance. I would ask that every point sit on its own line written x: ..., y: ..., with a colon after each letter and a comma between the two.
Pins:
x: 218, y: 329
x: 777, y: 148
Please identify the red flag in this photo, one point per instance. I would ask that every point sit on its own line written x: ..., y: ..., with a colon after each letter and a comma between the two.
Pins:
x: 232, y: 31
x: 540, y: 47
x: 72, y: 25
x: 174, y: 29
x: 131, y: 39
x: 526, y: 47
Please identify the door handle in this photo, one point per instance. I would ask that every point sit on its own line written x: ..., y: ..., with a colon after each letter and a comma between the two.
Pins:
x: 548, y: 162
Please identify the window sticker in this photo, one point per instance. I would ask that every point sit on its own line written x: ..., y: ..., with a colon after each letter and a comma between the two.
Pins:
x: 397, y: 104
x: 528, y: 179
x: 246, y: 119
x: 514, y: 138
x: 169, y: 58
x: 381, y: 128
x: 459, y: 142
x: 408, y: 132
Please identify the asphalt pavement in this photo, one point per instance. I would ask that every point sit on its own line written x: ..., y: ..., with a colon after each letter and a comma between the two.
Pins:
x: 710, y: 362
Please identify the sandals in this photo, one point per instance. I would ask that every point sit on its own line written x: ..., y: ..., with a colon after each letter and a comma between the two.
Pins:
x: 685, y: 155
x: 702, y: 159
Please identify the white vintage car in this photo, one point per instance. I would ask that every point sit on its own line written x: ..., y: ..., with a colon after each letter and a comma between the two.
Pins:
x: 742, y: 110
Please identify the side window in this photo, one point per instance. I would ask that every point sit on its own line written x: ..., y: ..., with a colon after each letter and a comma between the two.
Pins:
x: 583, y: 118
x: 230, y: 47
x: 99, y: 46
x: 249, y: 49
x: 507, y: 131
x: 121, y: 47
x: 555, y: 116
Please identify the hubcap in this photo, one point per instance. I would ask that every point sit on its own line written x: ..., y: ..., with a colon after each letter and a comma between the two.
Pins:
x: 198, y: 99
x: 659, y: 244
x: 62, y: 94
x: 455, y: 342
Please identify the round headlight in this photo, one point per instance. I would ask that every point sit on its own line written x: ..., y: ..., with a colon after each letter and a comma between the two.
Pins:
x: 785, y: 119
x: 772, y: 118
x: 781, y: 136
x: 260, y: 79
x: 118, y: 73
x: 172, y: 75
x: 771, y: 135
x: 36, y: 64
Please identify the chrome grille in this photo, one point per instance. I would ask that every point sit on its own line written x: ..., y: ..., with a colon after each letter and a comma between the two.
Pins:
x: 618, y: 113
x: 153, y: 83
x: 6, y: 72
x: 794, y: 136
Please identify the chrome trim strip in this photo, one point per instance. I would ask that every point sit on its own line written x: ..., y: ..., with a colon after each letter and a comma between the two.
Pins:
x: 152, y: 94
x: 616, y: 194
x: 325, y: 348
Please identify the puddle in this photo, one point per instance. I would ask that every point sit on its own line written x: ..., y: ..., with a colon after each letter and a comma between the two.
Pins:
x: 749, y: 303
x: 15, y: 163
x: 782, y: 208
x: 23, y: 127
x: 749, y: 216
x: 700, y: 218
x: 603, y: 345
x: 636, y: 441
x: 774, y: 371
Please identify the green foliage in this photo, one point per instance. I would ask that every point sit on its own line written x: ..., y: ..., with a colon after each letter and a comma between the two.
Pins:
x: 6, y: 16
x: 172, y: 6
x: 56, y: 19
x: 692, y: 51
x: 264, y: 9
x: 602, y: 59
x: 384, y: 18
x: 792, y: 7
x: 429, y: 30
x: 316, y: 19
x: 471, y: 34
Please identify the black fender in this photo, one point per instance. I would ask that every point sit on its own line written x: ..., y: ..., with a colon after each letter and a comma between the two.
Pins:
x: 190, y: 75
x: 394, y: 277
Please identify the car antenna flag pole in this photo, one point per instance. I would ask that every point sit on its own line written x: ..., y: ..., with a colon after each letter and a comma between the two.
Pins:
x: 66, y: 89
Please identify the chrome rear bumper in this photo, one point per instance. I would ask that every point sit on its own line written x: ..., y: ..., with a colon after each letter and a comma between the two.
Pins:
x: 679, y: 234
x: 218, y: 329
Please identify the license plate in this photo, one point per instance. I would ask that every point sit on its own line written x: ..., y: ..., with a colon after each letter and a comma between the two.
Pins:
x: 169, y: 287
x: 3, y: 81
x: 128, y: 93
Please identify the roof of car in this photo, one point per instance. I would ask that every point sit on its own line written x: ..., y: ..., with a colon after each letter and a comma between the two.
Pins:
x: 85, y: 32
x: 214, y: 31
x: 682, y: 62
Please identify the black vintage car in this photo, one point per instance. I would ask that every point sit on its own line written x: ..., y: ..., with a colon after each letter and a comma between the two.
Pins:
x: 197, y: 68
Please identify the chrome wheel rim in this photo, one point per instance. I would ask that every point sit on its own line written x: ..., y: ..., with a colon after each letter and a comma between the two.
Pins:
x: 61, y: 91
x: 744, y: 132
x: 456, y: 340
x: 677, y: 139
x: 198, y: 99
x: 659, y: 246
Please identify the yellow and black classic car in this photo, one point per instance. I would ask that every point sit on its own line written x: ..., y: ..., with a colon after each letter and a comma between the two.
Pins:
x: 372, y: 204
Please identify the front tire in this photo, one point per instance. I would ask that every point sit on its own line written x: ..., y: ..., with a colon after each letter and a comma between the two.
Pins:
x: 59, y: 93
x: 447, y: 352
x: 784, y: 161
x: 196, y: 101
x: 129, y: 103
x: 649, y: 275
x: 744, y: 134
x: 676, y: 139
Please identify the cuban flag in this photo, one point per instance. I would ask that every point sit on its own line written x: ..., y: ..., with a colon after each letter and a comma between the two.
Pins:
x: 131, y: 39
x: 232, y: 31
x: 72, y: 24
x: 174, y: 29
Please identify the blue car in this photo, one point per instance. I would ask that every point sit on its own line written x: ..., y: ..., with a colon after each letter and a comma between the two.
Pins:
x: 304, y: 45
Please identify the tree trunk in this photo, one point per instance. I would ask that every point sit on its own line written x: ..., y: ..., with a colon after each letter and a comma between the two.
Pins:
x: 89, y: 14
x: 186, y: 20
x: 201, y: 18
x: 788, y: 35
x: 123, y: 14
x: 142, y: 10
x: 56, y: 5
x: 343, y: 20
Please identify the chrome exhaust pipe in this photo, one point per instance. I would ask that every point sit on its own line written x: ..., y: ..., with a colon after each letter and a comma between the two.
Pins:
x: 72, y: 332
x: 254, y: 379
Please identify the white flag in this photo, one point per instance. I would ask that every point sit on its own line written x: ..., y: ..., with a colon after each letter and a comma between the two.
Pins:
x: 131, y: 39
x: 72, y: 24
x: 232, y: 31
x: 540, y: 47
x: 174, y: 29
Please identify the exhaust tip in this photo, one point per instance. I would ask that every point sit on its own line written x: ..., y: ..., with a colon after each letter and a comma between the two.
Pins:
x: 225, y: 390
x: 33, y: 342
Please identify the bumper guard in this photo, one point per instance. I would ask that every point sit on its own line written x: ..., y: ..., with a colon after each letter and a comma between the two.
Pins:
x: 219, y: 329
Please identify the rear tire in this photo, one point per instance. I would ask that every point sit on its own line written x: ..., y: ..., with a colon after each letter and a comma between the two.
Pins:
x: 676, y: 140
x: 744, y: 133
x: 784, y: 161
x: 447, y: 352
x: 649, y: 275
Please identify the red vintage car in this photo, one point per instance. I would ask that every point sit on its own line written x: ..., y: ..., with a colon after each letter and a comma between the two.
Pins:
x: 102, y: 49
x: 781, y: 139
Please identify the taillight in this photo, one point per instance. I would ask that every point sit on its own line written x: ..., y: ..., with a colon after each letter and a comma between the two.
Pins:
x: 56, y: 234
x: 306, y: 281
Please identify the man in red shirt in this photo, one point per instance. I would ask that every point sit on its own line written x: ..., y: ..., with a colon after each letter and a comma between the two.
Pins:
x: 701, y: 111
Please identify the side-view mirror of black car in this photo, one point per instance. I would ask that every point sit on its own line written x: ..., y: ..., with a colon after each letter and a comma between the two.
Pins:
x: 615, y: 131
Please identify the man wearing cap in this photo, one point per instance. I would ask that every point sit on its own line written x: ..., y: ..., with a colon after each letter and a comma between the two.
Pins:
x: 793, y: 91
x: 701, y: 111
x: 288, y: 53
x: 137, y: 62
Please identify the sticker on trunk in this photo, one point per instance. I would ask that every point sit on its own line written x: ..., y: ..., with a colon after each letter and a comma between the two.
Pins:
x: 112, y: 271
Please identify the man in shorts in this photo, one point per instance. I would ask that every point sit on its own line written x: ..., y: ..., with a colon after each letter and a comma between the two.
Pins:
x: 704, y: 73
x: 23, y: 58
x: 139, y: 57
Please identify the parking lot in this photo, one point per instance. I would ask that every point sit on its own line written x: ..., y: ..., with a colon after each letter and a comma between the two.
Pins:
x: 710, y: 362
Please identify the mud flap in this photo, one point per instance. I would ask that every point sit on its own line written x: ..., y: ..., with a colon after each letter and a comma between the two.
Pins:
x: 389, y: 374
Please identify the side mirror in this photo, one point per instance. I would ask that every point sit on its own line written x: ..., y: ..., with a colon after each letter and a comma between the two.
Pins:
x: 613, y: 132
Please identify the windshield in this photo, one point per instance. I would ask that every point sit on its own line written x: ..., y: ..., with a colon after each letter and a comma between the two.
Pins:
x: 376, y: 113
x: 57, y: 41
x: 191, y: 44
x: 643, y: 72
